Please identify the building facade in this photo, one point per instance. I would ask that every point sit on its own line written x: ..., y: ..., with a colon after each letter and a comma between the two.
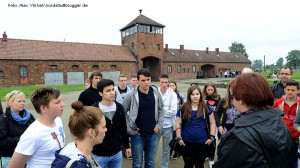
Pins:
x: 31, y: 62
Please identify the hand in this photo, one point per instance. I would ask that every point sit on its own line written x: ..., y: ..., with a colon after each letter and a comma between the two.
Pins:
x: 135, y: 133
x: 221, y: 130
x: 128, y: 152
x: 156, y: 130
x: 208, y: 142
x: 181, y: 143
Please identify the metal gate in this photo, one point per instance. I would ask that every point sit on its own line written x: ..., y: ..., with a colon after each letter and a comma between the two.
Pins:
x: 75, y: 78
x: 54, y: 78
x: 113, y: 75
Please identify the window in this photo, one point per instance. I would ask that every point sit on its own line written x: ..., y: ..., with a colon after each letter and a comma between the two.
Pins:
x: 183, y: 70
x: 132, y: 46
x: 1, y: 73
x: 23, y: 71
x: 113, y: 66
x: 95, y: 66
x: 143, y: 45
x: 157, y: 46
x: 194, y: 68
x: 74, y: 67
x: 178, y: 68
x: 188, y: 70
x: 169, y: 69
x: 53, y: 67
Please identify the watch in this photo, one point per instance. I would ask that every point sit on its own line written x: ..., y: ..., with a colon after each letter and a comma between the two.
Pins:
x: 178, y: 138
x: 212, y: 137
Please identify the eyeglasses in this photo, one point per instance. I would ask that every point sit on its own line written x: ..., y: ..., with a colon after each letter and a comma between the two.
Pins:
x: 286, y: 74
x: 15, y: 92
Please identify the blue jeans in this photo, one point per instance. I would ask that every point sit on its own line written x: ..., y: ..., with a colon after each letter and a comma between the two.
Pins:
x: 114, y: 161
x: 166, y: 134
x: 5, y: 161
x: 140, y: 145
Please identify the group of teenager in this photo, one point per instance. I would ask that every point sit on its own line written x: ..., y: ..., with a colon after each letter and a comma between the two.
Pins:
x: 258, y: 126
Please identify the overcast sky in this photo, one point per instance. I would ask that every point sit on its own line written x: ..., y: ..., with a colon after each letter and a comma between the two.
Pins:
x: 265, y: 27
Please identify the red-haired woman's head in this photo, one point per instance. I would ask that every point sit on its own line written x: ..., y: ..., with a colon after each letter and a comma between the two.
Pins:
x: 253, y: 91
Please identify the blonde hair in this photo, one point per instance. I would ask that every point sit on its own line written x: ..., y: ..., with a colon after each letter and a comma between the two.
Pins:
x: 11, y: 96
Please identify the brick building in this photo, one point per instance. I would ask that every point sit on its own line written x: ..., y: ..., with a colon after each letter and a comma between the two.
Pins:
x: 24, y: 62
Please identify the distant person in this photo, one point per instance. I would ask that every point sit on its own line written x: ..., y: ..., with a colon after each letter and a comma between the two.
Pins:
x: 285, y: 75
x: 144, y: 120
x: 169, y: 99
x: 275, y: 77
x: 133, y: 82
x: 90, y: 95
x: 45, y: 135
x: 180, y: 101
x: 109, y: 154
x: 87, y: 83
x: 122, y: 89
x: 13, y: 123
x: 289, y: 104
x: 87, y: 125
x: 259, y: 137
x: 195, y: 129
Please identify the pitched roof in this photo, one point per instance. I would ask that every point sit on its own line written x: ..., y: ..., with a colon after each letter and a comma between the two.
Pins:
x: 52, y: 50
x: 141, y: 19
x: 174, y: 55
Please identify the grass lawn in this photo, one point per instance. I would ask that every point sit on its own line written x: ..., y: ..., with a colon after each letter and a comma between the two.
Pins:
x: 29, y: 89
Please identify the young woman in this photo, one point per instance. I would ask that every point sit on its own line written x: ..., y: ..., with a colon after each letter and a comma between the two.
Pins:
x: 180, y: 101
x: 212, y: 99
x: 13, y: 123
x: 87, y: 124
x: 195, y: 129
x: 226, y: 112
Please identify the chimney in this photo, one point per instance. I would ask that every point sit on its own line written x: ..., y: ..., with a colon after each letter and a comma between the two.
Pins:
x: 181, y: 49
x: 206, y: 50
x: 166, y: 48
x: 217, y: 50
x: 4, y: 36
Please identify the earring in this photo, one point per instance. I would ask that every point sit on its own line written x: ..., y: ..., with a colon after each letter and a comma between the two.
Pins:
x: 92, y: 138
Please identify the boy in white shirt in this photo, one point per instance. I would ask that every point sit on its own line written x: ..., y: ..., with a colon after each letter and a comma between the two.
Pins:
x: 45, y: 135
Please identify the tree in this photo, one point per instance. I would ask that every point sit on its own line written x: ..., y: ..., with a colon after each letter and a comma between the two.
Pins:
x: 279, y: 63
x: 238, y: 47
x: 257, y: 65
x: 293, y: 58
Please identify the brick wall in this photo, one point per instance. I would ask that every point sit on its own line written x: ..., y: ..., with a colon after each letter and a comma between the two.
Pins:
x: 36, y: 70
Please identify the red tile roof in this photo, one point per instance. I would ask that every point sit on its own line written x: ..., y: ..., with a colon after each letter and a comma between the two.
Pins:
x: 52, y: 50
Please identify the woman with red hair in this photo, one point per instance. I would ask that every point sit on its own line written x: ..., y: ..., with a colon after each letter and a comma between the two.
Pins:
x: 259, y: 137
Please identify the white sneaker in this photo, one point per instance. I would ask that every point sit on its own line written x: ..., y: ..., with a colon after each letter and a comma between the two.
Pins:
x: 211, y: 162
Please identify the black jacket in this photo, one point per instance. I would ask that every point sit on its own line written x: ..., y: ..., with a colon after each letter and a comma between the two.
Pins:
x: 220, y: 113
x: 89, y: 96
x: 259, y: 139
x: 278, y: 90
x: 116, y: 134
x: 10, y: 133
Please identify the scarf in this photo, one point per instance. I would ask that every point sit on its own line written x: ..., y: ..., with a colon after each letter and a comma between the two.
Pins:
x: 21, y: 120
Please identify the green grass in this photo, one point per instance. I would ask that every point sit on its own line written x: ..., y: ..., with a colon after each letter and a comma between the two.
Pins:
x: 29, y: 89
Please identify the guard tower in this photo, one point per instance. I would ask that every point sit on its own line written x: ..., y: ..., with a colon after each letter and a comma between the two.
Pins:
x: 145, y: 38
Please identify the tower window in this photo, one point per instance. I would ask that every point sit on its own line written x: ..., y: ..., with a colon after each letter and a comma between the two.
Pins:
x: 143, y: 45
x: 158, y: 46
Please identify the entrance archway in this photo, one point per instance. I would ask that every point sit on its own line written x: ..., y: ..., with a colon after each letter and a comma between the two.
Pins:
x: 153, y: 64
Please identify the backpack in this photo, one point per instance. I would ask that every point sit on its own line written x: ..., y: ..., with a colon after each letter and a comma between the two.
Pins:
x: 62, y: 161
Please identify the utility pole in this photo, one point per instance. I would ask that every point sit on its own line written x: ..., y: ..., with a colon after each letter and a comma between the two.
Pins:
x: 264, y: 63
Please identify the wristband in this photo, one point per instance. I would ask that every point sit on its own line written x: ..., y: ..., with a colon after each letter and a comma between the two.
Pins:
x: 178, y: 138
x: 212, y: 137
